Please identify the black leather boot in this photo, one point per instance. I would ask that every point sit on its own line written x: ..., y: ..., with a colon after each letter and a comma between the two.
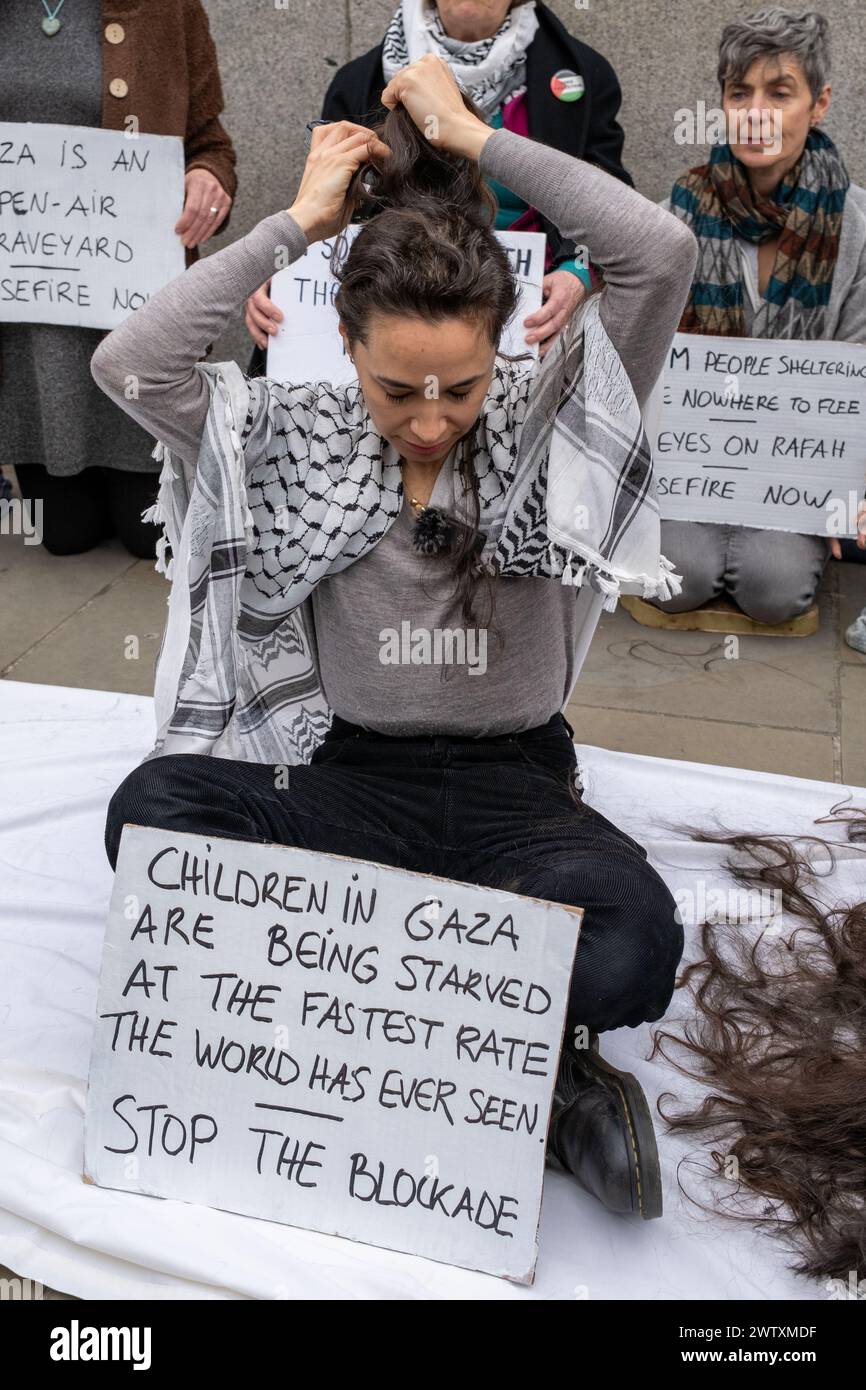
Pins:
x: 601, y: 1132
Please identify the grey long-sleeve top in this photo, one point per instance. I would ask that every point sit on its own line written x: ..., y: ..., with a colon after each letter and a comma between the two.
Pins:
x: 646, y: 254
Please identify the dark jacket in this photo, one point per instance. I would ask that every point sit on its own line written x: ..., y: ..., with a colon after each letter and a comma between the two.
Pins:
x: 587, y: 129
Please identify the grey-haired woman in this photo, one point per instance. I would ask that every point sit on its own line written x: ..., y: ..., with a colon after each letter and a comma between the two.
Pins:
x: 782, y: 236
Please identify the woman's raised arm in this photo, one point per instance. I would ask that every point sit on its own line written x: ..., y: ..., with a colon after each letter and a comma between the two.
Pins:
x: 647, y: 255
x: 147, y: 364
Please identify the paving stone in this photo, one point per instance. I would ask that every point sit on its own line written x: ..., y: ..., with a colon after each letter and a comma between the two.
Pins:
x: 854, y: 724
x: 792, y: 753
x: 852, y: 601
x: 40, y: 591
x: 89, y: 649
x: 775, y: 682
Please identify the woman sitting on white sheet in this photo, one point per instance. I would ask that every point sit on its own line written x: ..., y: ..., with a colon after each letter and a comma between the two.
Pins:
x: 782, y: 237
x: 432, y: 496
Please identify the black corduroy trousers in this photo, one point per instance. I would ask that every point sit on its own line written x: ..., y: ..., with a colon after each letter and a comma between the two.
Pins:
x: 500, y: 812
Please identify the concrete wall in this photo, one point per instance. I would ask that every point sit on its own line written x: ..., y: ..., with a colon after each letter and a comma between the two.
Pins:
x: 278, y: 56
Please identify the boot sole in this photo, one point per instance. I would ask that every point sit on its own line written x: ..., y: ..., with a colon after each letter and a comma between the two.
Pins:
x: 645, y: 1168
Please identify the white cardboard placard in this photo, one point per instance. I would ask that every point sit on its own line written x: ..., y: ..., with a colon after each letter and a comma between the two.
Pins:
x: 329, y: 1043
x: 87, y: 222
x: 308, y: 346
x: 762, y: 432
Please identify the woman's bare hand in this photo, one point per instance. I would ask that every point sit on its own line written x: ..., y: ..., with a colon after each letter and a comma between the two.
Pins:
x: 262, y: 317
x: 337, y: 151
x: 430, y: 94
x: 202, y: 192
x: 563, y: 292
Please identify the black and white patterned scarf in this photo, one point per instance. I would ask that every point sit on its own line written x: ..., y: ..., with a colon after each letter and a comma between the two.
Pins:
x: 294, y: 483
x: 490, y: 70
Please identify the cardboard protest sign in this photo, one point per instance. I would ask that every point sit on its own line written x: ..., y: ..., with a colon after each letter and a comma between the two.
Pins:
x: 329, y: 1043
x: 308, y: 346
x: 762, y: 432
x: 86, y: 222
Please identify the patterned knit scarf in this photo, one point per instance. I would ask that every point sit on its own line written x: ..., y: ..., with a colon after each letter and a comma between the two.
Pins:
x: 489, y: 71
x: 804, y: 211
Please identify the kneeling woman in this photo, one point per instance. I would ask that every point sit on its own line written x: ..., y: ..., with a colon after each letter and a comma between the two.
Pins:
x: 781, y: 232
x: 446, y: 493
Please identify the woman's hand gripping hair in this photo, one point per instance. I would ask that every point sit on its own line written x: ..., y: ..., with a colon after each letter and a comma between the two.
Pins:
x: 321, y: 207
x: 429, y: 93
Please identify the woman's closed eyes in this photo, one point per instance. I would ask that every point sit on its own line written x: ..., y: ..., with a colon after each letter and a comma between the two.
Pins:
x: 455, y: 396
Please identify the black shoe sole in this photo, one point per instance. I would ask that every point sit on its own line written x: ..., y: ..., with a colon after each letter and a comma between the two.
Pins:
x: 644, y: 1154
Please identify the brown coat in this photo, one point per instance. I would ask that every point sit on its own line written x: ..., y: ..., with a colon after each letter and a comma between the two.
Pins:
x: 159, y: 64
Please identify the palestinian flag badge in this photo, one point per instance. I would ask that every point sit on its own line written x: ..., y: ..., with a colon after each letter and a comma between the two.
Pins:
x: 567, y: 85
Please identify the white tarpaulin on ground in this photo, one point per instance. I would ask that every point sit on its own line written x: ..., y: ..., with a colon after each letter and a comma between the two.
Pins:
x: 62, y: 753
x: 754, y: 432
x: 87, y: 222
x: 329, y: 1043
x: 308, y: 346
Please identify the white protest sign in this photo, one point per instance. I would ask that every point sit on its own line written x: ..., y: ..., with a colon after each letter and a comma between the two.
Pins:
x: 762, y: 432
x: 329, y: 1043
x: 308, y: 346
x: 86, y: 222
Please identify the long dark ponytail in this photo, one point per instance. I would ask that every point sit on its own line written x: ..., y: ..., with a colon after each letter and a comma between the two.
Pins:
x: 428, y: 250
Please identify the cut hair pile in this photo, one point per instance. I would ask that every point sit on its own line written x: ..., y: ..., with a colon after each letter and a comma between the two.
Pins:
x: 778, y: 1036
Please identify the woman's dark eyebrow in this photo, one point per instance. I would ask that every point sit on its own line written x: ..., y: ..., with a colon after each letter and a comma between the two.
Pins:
x: 775, y: 81
x: 406, y: 386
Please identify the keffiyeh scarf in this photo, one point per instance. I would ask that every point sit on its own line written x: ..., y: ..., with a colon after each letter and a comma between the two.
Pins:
x: 489, y: 71
x: 804, y: 211
x: 294, y: 483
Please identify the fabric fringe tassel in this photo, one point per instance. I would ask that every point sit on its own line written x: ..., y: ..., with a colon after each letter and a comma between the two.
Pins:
x: 573, y: 574
x: 239, y: 652
x: 162, y: 454
x: 158, y: 513
x: 235, y: 438
x: 668, y: 584
x: 249, y: 525
x: 608, y: 587
x: 164, y: 566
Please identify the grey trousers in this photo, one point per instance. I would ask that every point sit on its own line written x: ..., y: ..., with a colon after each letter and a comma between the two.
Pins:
x: 771, y: 575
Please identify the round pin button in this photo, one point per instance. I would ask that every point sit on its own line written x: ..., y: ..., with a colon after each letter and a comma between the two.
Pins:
x: 567, y: 85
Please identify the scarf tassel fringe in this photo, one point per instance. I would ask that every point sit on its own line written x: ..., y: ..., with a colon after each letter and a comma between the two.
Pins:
x: 241, y: 655
x: 667, y: 585
x: 158, y: 513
